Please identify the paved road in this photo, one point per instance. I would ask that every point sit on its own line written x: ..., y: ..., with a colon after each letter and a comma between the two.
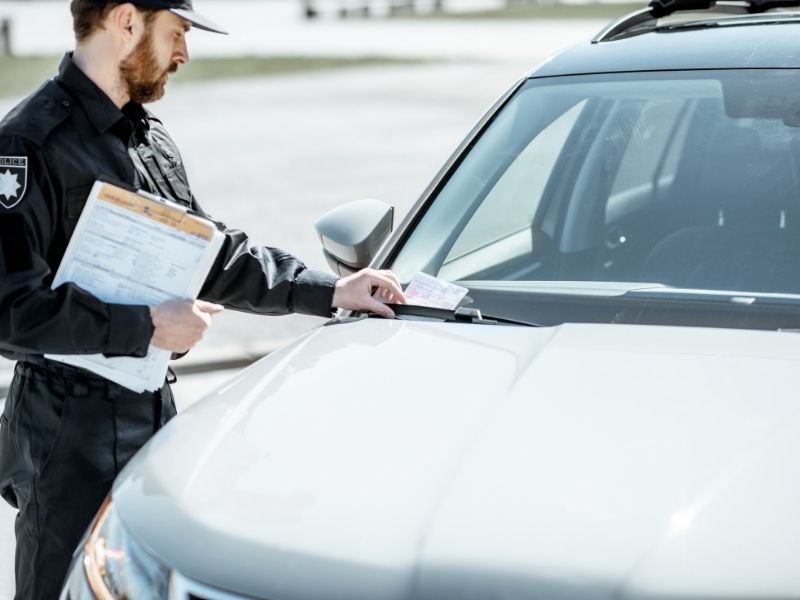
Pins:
x: 277, y: 28
x: 272, y: 155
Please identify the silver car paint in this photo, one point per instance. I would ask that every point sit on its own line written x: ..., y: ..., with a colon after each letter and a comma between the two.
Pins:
x: 398, y: 459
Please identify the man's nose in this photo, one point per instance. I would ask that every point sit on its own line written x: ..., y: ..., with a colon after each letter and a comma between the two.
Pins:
x: 181, y: 55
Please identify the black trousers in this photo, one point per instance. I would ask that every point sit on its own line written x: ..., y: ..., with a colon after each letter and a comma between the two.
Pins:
x: 65, y: 434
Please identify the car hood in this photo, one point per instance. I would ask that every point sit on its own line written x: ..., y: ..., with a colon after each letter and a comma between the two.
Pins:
x: 399, y: 459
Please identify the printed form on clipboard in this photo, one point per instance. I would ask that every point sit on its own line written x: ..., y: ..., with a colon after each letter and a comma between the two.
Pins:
x: 134, y: 248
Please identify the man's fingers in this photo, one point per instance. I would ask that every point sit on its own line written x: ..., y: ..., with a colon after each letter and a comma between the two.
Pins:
x: 355, y: 292
x: 388, y: 285
x: 209, y: 307
x: 206, y: 317
x: 391, y: 275
x: 379, y: 309
x: 180, y: 324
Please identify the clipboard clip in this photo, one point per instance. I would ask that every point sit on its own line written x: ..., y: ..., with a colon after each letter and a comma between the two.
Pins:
x: 164, y: 201
x: 150, y: 196
x: 171, y: 211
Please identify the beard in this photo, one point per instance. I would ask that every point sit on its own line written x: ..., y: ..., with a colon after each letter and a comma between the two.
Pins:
x: 142, y: 75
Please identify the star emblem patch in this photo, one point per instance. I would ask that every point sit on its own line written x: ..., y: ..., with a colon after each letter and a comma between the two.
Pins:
x: 13, y: 180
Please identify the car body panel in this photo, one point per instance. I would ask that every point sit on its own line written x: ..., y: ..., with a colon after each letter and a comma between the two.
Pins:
x: 497, y: 456
x: 772, y: 46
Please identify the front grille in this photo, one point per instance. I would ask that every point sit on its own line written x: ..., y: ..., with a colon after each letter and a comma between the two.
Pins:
x: 181, y: 588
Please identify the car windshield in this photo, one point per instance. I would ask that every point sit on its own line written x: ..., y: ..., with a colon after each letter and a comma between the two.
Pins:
x: 594, y: 186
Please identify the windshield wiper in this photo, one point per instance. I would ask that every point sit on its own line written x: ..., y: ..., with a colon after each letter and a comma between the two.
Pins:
x: 715, y: 297
x: 709, y: 308
x: 459, y: 315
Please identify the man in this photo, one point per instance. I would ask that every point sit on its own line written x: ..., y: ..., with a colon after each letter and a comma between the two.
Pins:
x: 66, y: 433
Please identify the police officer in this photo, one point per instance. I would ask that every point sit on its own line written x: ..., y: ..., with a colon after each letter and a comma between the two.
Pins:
x: 66, y: 433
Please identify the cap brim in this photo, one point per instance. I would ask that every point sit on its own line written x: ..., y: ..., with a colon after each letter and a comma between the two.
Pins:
x: 198, y: 20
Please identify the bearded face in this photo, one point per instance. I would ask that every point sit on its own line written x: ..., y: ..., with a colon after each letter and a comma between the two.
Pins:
x: 142, y: 75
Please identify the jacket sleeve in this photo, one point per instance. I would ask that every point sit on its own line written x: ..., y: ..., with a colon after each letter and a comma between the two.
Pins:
x: 35, y: 319
x: 265, y: 280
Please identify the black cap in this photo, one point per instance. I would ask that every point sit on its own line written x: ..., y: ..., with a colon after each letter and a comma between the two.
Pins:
x: 185, y: 10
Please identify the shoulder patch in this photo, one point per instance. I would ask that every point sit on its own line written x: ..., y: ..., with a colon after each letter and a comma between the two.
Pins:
x: 13, y: 180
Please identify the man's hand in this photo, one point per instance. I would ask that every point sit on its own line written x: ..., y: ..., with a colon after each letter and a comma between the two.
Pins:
x: 355, y: 292
x: 180, y: 324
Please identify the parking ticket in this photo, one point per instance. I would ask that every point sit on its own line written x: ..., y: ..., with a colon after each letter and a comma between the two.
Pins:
x: 425, y: 290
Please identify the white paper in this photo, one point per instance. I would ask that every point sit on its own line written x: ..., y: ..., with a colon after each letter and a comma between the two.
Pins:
x: 425, y: 290
x: 131, y: 249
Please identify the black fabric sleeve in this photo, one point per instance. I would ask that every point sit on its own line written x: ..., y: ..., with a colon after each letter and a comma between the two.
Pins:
x: 35, y: 319
x: 265, y: 280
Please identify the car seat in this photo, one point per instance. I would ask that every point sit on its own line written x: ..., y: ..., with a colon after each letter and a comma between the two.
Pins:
x: 742, y: 231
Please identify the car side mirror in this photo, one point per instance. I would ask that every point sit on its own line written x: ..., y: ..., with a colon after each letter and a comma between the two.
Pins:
x: 351, y: 234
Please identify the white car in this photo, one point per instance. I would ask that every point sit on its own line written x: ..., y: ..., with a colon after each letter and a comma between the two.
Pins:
x: 614, y: 412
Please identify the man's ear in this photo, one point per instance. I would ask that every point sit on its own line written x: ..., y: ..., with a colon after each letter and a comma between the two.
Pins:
x: 126, y: 22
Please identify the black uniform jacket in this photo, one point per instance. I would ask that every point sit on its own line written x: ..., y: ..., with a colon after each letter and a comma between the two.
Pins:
x: 53, y: 146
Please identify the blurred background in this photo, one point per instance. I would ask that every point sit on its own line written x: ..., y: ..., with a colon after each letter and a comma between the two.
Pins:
x: 307, y: 105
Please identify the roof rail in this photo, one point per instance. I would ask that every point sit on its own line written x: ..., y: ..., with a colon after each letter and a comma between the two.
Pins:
x: 662, y: 8
x: 757, y: 6
x: 629, y: 21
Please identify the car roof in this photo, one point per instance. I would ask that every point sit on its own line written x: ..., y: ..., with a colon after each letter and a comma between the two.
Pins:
x: 753, y: 42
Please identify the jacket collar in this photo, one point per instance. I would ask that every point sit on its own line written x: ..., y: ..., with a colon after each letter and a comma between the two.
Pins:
x: 99, y: 108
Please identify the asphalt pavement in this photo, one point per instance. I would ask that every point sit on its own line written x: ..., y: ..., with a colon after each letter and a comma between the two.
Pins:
x: 277, y: 28
x: 271, y: 155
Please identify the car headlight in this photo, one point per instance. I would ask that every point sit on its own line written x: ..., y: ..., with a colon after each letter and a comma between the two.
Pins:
x: 113, y: 566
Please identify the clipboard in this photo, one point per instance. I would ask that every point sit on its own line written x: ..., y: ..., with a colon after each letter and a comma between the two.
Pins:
x: 131, y: 247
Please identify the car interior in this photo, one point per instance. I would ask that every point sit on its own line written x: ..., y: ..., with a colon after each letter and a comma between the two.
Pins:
x: 698, y: 192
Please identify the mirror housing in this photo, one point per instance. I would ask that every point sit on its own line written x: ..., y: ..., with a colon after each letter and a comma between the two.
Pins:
x: 352, y: 234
